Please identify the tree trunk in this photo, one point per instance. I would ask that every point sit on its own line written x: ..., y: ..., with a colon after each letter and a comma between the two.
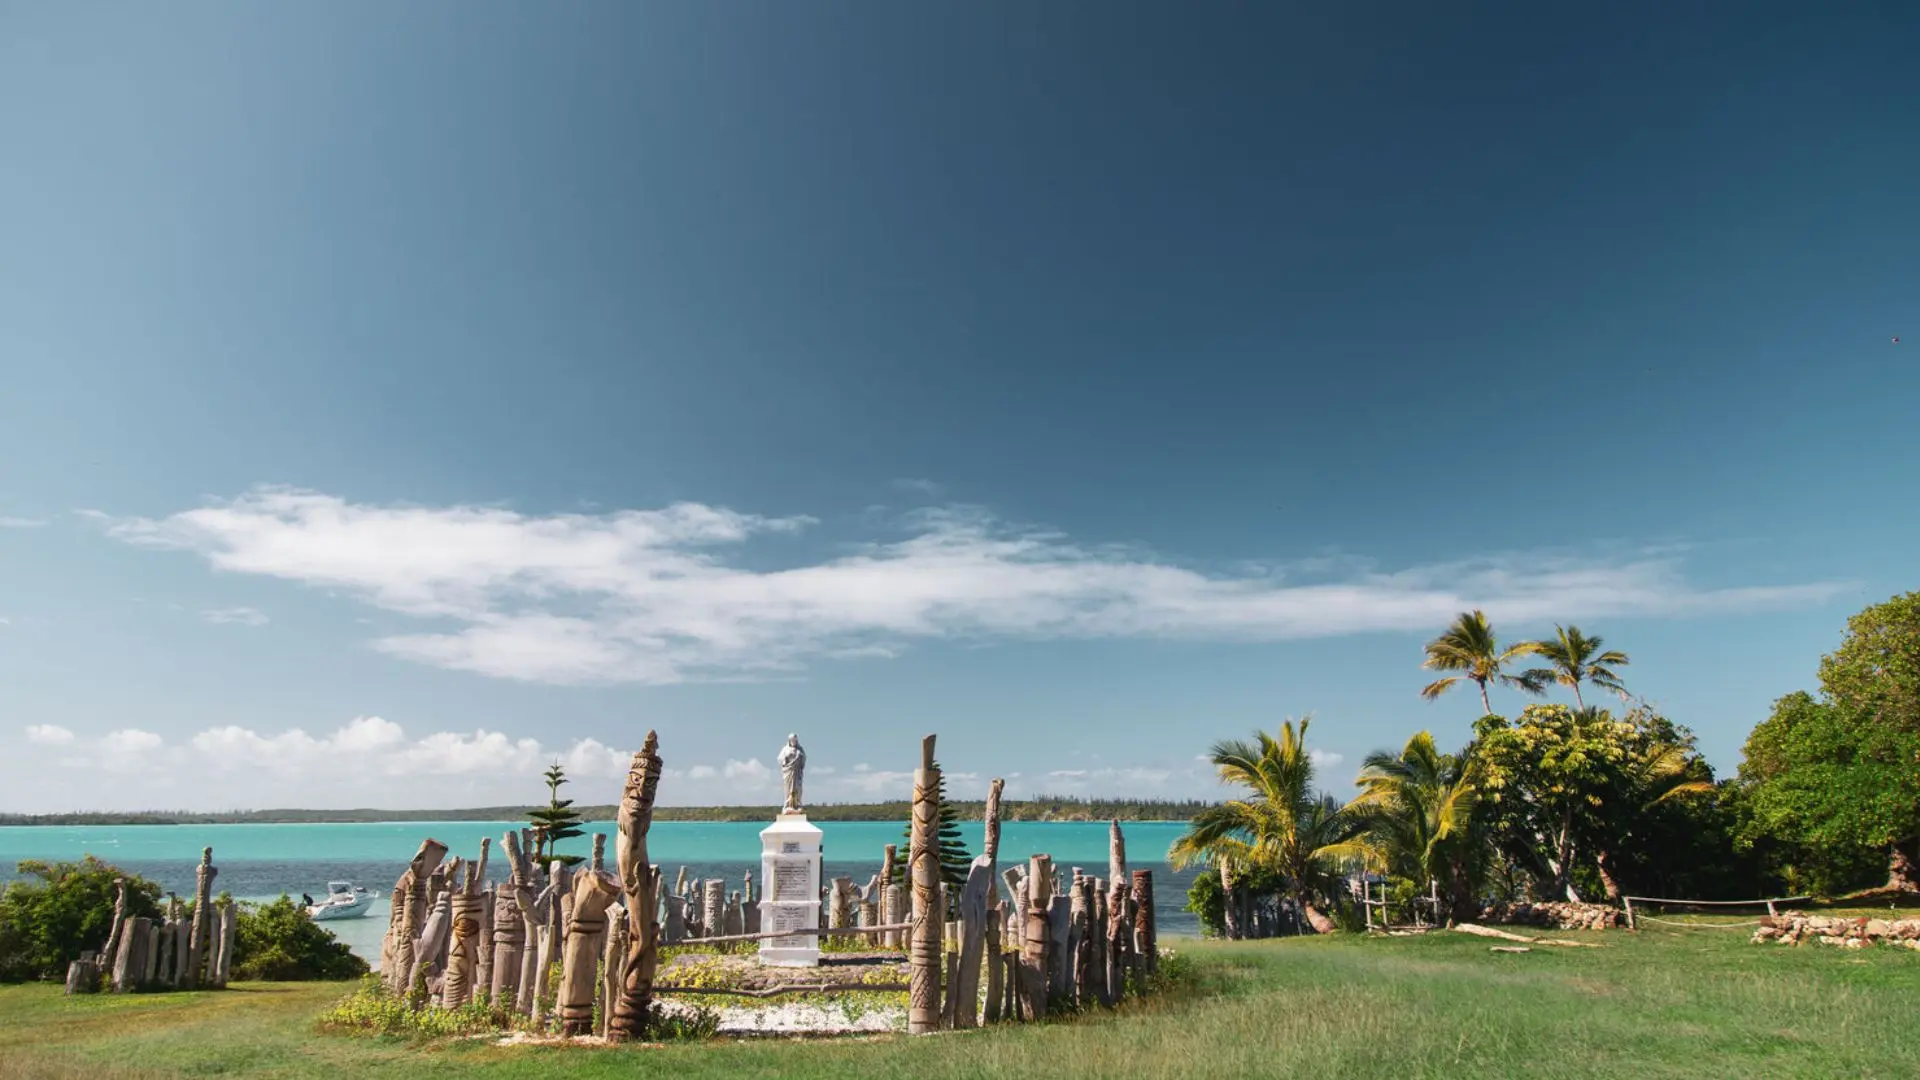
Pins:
x: 1486, y: 704
x: 1577, y: 699
x: 1903, y: 865
x: 1602, y: 863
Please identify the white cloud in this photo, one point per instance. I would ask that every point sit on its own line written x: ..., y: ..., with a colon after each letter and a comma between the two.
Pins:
x: 648, y: 595
x: 237, y: 616
x: 750, y: 771
x: 21, y: 523
x: 48, y: 735
x: 1325, y: 758
x: 369, y: 761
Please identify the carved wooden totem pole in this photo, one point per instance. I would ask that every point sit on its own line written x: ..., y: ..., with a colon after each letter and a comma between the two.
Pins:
x: 640, y: 881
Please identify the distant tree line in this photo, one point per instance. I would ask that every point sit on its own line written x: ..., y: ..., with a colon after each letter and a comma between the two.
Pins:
x: 1038, y: 808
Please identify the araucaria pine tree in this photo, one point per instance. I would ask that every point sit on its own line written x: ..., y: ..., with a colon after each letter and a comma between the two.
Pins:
x: 555, y: 821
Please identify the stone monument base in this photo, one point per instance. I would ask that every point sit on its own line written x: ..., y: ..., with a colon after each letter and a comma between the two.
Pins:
x: 790, y: 874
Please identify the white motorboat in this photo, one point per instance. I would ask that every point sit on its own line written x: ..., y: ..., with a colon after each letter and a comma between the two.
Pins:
x: 345, y: 900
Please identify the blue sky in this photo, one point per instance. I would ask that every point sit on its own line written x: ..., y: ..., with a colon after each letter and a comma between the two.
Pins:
x: 397, y: 397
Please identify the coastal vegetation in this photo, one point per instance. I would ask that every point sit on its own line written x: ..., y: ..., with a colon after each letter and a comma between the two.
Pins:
x: 58, y: 910
x: 1574, y: 802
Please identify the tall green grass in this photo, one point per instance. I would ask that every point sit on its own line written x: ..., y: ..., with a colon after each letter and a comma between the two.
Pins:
x: 1688, y: 1003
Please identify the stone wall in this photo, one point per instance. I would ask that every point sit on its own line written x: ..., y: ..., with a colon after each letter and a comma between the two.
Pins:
x: 1794, y: 927
x: 1555, y: 915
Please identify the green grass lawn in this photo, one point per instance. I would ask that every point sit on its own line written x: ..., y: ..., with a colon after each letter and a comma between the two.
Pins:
x: 1687, y: 1003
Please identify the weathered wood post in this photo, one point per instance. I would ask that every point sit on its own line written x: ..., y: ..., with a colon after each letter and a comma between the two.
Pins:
x: 923, y: 870
x: 640, y: 880
x: 974, y: 920
x: 483, y: 949
x: 1036, y: 935
x: 410, y: 910
x: 734, y: 922
x: 83, y: 975
x: 593, y: 893
x: 599, y: 851
x: 426, y: 951
x: 1102, y: 925
x: 676, y: 928
x: 110, y: 952
x: 1146, y: 936
x: 612, y: 956
x: 890, y: 938
x: 749, y: 906
x: 554, y: 902
x: 1083, y: 952
x: 509, y: 927
x: 1119, y: 935
x: 200, y: 944
x: 141, y: 930
x: 182, y: 940
x: 1117, y: 879
x: 463, y: 952
x: 713, y: 909
x: 225, y: 937
x: 840, y: 911
x: 1059, y: 933
x: 995, y: 921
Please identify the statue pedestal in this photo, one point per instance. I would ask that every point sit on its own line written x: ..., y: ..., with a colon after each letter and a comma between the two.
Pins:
x: 790, y: 874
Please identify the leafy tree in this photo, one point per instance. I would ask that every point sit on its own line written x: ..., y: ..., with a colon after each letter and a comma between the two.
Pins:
x: 1659, y: 766
x: 1279, y: 825
x: 1417, y: 807
x: 61, y: 909
x: 1876, y: 669
x: 955, y: 860
x: 555, y: 821
x: 1566, y: 791
x: 1470, y: 648
x: 278, y: 942
x: 1208, y: 901
x: 1573, y: 658
x: 1831, y: 777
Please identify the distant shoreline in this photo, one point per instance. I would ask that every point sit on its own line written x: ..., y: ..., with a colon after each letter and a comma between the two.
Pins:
x: 1028, y: 810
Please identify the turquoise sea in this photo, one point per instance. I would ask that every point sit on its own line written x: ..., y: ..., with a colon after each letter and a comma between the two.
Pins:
x: 259, y: 862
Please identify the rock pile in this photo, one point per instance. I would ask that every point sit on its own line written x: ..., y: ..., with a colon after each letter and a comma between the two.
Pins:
x: 1553, y: 915
x: 1794, y: 927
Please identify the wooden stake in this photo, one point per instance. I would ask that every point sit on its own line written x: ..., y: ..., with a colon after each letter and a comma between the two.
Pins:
x: 1146, y: 936
x: 202, y: 940
x: 1082, y: 935
x: 614, y: 956
x: 965, y: 988
x: 1036, y: 935
x: 923, y: 870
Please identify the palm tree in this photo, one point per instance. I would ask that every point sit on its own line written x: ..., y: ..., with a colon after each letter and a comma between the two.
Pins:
x: 1573, y: 658
x: 1278, y: 824
x: 1417, y: 807
x: 1469, y: 647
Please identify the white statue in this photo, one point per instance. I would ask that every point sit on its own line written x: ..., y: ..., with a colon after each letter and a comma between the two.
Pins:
x: 793, y: 762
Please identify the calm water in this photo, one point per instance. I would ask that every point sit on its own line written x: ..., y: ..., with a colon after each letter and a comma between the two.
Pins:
x: 262, y: 861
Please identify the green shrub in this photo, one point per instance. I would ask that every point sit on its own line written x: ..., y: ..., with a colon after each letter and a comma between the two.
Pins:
x: 45, y: 924
x: 278, y: 942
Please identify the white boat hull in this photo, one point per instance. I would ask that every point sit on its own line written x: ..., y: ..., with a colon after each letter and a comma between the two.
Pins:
x: 354, y: 909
